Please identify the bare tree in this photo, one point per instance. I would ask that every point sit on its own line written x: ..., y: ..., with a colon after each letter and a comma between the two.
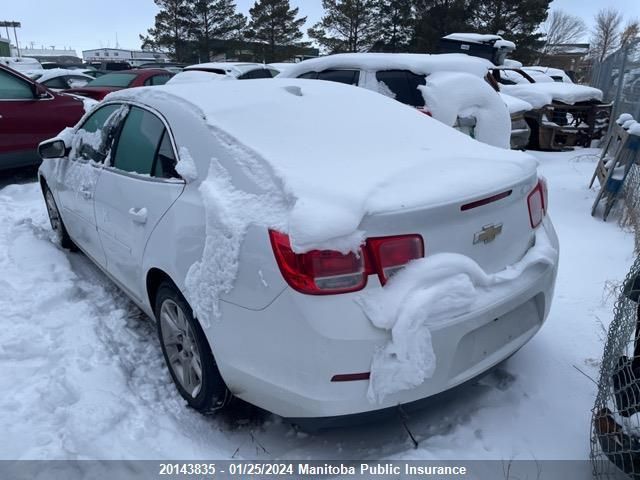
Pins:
x: 561, y: 27
x: 630, y: 32
x: 605, y: 38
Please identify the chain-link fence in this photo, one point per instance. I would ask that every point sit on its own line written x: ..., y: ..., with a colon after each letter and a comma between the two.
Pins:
x: 618, y: 76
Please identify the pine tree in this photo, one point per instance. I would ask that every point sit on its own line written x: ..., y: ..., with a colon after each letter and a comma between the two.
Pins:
x: 347, y: 25
x: 396, y: 23
x: 274, y: 22
x: 437, y: 18
x: 515, y: 20
x: 171, y: 30
x: 215, y: 20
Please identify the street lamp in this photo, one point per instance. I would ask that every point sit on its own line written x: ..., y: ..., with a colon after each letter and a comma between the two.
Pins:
x: 13, y: 25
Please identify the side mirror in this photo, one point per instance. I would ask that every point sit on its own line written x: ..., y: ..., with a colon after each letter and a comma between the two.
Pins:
x: 52, y: 149
x: 39, y: 91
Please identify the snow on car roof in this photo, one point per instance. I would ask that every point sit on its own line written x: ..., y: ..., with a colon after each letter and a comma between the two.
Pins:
x: 370, y: 155
x: 552, y: 72
x: 236, y: 68
x: 495, y: 40
x: 421, y: 64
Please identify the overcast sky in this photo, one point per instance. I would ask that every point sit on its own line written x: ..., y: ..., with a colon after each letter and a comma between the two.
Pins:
x: 87, y: 24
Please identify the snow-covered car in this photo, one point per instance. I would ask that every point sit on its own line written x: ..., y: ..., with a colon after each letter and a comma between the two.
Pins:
x: 451, y: 87
x: 59, y: 79
x: 21, y: 64
x: 520, y: 131
x: 223, y: 70
x: 556, y: 74
x: 563, y: 114
x: 392, y: 260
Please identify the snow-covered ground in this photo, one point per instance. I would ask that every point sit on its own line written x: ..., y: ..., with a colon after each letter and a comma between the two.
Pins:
x: 82, y: 375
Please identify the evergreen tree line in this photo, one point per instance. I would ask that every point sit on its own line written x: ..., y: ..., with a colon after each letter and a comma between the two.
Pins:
x: 188, y: 29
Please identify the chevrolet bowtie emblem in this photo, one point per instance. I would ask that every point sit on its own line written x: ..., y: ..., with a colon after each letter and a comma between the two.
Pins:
x: 488, y: 234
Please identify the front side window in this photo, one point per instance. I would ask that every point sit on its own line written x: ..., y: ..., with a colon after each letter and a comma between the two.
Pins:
x: 157, y: 80
x: 257, y: 73
x: 348, y: 77
x: 57, y: 82
x: 97, y: 132
x: 13, y: 88
x: 309, y: 75
x: 402, y: 85
x: 138, y: 142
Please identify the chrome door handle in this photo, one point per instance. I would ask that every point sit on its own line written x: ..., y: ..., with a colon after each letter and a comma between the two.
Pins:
x: 138, y: 215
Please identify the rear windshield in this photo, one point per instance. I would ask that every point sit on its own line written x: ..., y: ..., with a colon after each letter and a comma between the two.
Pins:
x: 113, y: 80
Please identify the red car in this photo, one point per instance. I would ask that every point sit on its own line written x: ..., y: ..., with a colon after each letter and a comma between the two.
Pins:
x: 29, y: 114
x: 102, y: 86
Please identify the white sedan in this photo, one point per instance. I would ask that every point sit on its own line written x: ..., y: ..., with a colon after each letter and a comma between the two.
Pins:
x: 298, y: 251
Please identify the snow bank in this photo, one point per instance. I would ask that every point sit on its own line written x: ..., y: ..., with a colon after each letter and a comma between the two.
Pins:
x: 541, y: 94
x: 425, y: 292
x: 457, y: 95
x: 515, y: 105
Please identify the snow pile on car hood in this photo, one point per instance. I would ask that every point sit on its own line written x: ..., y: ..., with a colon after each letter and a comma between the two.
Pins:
x: 429, y: 290
x: 541, y: 94
x: 452, y: 95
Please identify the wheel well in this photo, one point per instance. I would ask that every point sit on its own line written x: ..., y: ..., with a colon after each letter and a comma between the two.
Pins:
x: 155, y: 277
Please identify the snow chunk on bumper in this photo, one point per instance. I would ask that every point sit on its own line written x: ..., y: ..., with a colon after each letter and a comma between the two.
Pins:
x: 426, y: 291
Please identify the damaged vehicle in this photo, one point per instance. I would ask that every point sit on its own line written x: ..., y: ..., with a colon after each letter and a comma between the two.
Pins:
x: 312, y: 260
x: 450, y: 88
x: 564, y: 114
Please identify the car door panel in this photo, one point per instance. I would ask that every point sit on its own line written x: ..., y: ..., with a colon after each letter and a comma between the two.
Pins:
x: 124, y: 232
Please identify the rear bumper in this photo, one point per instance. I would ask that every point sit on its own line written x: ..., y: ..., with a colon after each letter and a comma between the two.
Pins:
x: 283, y: 358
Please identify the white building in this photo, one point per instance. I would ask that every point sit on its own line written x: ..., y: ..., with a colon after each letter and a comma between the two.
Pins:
x: 43, y: 52
x: 133, y: 57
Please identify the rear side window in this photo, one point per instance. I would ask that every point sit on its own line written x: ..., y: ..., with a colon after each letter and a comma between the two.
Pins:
x: 98, y: 118
x: 402, y: 85
x: 257, y: 73
x: 138, y: 142
x: 348, y: 77
x: 157, y: 80
x: 165, y: 162
x: 57, y: 82
x: 309, y: 75
x: 13, y: 88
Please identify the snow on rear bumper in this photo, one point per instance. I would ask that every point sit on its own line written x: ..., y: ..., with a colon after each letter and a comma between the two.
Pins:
x: 283, y: 357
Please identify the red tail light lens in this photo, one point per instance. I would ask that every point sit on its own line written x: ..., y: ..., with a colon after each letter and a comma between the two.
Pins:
x: 425, y: 110
x: 537, y: 202
x: 319, y: 272
x: 326, y: 272
x: 390, y: 254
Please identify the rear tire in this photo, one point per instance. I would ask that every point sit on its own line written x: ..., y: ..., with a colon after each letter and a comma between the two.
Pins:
x: 57, y: 225
x: 187, y: 352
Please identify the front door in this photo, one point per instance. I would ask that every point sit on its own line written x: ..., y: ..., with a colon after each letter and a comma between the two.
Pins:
x: 134, y: 193
x: 77, y: 176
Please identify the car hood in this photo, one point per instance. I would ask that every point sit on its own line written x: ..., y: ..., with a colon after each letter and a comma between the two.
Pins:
x: 541, y: 94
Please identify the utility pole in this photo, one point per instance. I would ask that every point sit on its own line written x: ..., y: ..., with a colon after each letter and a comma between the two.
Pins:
x: 14, y: 25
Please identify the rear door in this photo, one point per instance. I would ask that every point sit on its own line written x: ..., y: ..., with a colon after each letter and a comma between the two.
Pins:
x: 134, y: 193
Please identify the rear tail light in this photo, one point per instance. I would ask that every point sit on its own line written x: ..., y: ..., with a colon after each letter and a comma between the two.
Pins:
x: 537, y: 202
x: 390, y: 254
x: 327, y: 272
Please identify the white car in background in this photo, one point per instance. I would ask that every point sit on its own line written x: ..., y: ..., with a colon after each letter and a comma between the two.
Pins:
x: 223, y: 70
x: 312, y: 248
x: 451, y: 87
x: 21, y: 64
x: 59, y: 79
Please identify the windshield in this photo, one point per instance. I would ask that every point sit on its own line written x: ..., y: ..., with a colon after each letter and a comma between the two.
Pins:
x: 113, y: 80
